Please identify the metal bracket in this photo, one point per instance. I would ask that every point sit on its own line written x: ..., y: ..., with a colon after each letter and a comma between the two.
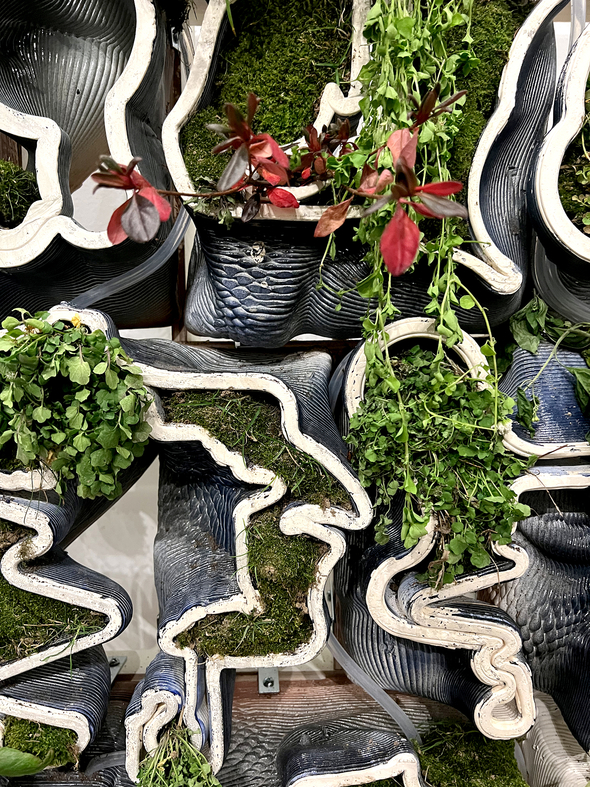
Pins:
x: 116, y: 664
x: 268, y: 680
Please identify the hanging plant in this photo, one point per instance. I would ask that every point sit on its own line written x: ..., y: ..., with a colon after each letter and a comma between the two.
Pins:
x: 72, y: 402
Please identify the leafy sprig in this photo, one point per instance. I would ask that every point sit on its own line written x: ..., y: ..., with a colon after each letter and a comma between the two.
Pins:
x: 176, y: 763
x: 71, y: 401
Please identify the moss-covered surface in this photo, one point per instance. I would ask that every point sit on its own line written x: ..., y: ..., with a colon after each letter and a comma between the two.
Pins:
x: 283, y: 568
x: 29, y: 622
x: 574, y: 176
x: 455, y: 754
x: 284, y: 51
x: 18, y: 190
x: 42, y: 740
x: 494, y: 25
x: 251, y: 424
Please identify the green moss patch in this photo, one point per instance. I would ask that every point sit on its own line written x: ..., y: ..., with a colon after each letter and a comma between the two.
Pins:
x: 574, y: 176
x: 456, y: 754
x: 42, y: 740
x: 29, y: 622
x: 18, y: 190
x: 251, y: 424
x: 284, y: 51
x: 283, y: 569
x: 494, y: 25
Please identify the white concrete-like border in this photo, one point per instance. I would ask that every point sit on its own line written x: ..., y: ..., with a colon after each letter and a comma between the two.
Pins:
x: 510, y: 277
x: 406, y: 765
x: 31, y: 547
x: 554, y: 147
x: 44, y: 220
x: 30, y: 711
x: 418, y: 613
x: 306, y: 519
x: 158, y: 709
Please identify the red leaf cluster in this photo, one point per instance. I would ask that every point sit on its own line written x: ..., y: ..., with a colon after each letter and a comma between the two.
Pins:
x: 139, y: 217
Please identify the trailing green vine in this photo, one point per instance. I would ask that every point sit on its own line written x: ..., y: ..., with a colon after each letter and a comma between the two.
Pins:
x: 70, y: 401
x: 426, y: 428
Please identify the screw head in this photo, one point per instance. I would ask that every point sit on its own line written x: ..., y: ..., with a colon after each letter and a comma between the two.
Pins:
x: 268, y: 683
x: 114, y: 662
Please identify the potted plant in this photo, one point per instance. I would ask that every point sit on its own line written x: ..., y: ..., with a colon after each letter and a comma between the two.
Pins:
x: 238, y: 299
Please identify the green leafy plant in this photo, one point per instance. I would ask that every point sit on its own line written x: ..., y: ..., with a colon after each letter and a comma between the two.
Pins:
x: 176, y: 763
x: 428, y: 428
x: 71, y: 401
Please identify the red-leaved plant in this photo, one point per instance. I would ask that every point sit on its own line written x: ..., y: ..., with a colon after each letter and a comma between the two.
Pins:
x: 258, y: 164
x: 139, y: 218
x: 401, y: 238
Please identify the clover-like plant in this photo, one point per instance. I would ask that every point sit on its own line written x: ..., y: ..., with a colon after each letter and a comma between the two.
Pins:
x: 70, y: 401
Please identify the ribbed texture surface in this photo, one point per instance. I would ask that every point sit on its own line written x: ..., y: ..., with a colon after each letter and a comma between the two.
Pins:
x: 260, y: 727
x: 163, y: 673
x: 194, y: 550
x: 394, y: 663
x: 507, y: 169
x: 336, y: 747
x: 78, y: 684
x: 560, y: 417
x: 59, y: 60
x: 550, y: 606
x: 256, y: 284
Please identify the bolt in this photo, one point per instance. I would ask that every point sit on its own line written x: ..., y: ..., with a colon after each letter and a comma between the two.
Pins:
x: 114, y: 662
x: 268, y: 683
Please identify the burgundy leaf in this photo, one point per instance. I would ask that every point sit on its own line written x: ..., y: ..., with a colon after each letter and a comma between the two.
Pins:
x: 377, y: 204
x: 282, y: 198
x: 279, y: 155
x: 442, y: 207
x: 332, y: 218
x: 237, y: 123
x: 306, y: 173
x: 397, y: 142
x: 273, y: 173
x: 385, y: 178
x: 368, y: 179
x: 109, y: 180
x: 235, y: 169
x: 443, y: 189
x: 320, y: 165
x: 427, y: 105
x: 408, y: 152
x: 444, y: 106
x: 115, y: 231
x: 405, y: 177
x: 232, y: 142
x: 140, y: 221
x: 251, y: 207
x: 260, y: 149
x: 422, y: 209
x: 162, y: 206
x: 400, y: 242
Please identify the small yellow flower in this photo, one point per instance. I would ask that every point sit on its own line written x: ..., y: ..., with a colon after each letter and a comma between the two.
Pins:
x: 76, y: 321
